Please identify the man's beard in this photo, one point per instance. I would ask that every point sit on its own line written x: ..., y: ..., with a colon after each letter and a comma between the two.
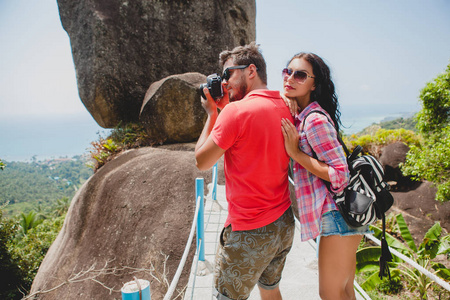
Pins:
x: 241, y: 91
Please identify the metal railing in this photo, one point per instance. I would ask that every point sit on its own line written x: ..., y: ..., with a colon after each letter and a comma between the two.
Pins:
x: 196, y: 223
x: 412, y: 263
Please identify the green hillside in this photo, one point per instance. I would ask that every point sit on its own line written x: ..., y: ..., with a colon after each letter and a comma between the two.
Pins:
x: 39, y: 184
x: 405, y: 123
x: 399, y: 123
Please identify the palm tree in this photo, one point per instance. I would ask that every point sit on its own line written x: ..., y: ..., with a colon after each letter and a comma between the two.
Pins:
x: 62, y: 205
x: 28, y: 222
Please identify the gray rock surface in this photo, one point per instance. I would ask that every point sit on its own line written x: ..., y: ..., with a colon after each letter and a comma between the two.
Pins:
x: 172, y: 110
x: 129, y: 215
x: 391, y: 157
x: 120, y: 47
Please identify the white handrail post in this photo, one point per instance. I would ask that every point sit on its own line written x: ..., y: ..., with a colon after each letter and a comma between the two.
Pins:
x: 214, y: 177
x: 199, y: 185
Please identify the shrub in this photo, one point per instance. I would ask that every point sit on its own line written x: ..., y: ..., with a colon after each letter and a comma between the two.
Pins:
x: 430, y: 161
x: 30, y: 250
x: 374, y: 143
x: 10, y: 272
x: 122, y: 137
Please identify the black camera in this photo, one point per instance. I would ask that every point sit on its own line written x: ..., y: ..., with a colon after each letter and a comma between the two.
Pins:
x: 214, y: 85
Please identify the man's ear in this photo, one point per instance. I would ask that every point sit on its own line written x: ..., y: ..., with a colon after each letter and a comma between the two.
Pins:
x: 252, y: 71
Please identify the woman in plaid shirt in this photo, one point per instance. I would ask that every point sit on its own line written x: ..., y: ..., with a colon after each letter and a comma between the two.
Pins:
x: 318, y: 158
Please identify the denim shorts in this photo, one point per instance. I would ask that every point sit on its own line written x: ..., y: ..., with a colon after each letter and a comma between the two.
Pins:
x: 334, y: 224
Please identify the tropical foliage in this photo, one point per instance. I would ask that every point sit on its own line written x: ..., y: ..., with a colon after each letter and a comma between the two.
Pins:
x: 10, y: 271
x: 26, y: 235
x: 30, y: 249
x: 103, y: 150
x: 433, y: 244
x: 28, y: 222
x: 24, y: 241
x: 430, y: 159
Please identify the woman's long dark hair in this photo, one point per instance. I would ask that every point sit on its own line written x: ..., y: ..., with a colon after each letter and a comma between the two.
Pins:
x: 324, y: 92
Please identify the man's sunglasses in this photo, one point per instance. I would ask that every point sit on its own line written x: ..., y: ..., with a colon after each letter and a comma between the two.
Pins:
x: 226, y: 74
x: 299, y: 76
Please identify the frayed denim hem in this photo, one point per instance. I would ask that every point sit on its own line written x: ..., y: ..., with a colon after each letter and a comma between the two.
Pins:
x: 349, y: 233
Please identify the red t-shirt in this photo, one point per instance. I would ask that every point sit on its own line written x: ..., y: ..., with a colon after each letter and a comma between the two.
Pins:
x: 256, y: 162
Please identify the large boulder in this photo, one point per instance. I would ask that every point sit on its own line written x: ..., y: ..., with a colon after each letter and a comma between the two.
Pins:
x: 416, y: 201
x: 391, y: 157
x: 120, y: 47
x: 131, y: 218
x: 421, y: 210
x: 172, y: 111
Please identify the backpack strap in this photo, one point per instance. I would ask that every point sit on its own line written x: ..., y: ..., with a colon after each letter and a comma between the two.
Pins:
x: 337, y: 133
x: 327, y: 184
x: 386, y: 255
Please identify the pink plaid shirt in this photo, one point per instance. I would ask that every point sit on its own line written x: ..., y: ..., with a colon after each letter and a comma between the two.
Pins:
x: 313, y: 197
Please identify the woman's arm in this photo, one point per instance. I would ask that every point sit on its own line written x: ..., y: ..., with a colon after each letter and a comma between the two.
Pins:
x: 322, y: 138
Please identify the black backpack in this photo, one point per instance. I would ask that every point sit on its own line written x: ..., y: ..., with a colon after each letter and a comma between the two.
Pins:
x: 367, y: 196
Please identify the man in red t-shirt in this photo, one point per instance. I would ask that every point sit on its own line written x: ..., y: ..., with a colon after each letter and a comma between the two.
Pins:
x: 259, y: 230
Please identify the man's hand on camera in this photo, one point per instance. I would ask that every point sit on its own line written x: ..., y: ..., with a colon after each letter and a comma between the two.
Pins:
x: 222, y: 102
x: 208, y: 104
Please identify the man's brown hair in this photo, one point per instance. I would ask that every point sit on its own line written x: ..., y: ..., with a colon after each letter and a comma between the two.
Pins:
x: 246, y: 55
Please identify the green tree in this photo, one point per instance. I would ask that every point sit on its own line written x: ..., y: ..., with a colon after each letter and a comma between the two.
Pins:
x: 435, y: 98
x: 10, y: 273
x: 2, y: 165
x: 28, y: 221
x: 430, y: 160
x: 30, y: 250
x: 61, y: 206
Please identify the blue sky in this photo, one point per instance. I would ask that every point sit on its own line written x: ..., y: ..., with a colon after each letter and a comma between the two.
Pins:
x: 381, y: 54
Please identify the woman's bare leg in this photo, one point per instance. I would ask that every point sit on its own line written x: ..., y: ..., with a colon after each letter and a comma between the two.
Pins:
x: 337, y: 264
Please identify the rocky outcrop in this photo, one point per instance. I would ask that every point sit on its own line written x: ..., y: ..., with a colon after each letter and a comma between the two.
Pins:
x: 126, y: 218
x: 172, y: 111
x: 391, y: 157
x: 414, y: 200
x: 121, y: 47
x: 421, y: 210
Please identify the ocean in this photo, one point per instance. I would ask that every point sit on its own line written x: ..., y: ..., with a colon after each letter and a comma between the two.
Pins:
x: 46, y: 137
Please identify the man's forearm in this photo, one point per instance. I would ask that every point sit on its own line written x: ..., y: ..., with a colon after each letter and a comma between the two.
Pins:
x: 209, y: 125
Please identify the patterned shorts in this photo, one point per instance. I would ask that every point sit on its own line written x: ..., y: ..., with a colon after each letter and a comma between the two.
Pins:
x: 247, y: 258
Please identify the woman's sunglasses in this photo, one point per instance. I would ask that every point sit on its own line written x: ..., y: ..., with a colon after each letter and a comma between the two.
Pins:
x: 226, y: 74
x: 299, y: 76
